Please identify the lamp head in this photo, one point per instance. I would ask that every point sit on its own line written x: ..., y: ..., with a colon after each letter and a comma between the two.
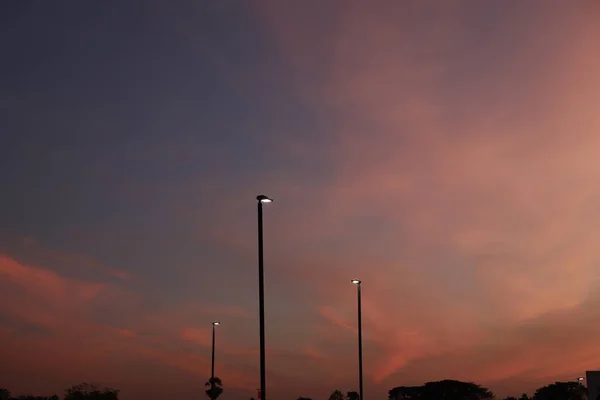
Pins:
x: 264, y: 199
x: 216, y: 323
x: 355, y: 281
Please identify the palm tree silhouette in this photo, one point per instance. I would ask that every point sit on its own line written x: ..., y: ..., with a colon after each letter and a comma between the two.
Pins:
x: 214, y: 388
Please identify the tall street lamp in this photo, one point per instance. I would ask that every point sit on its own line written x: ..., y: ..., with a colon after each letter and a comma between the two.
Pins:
x: 360, y: 369
x: 212, y: 370
x: 261, y: 295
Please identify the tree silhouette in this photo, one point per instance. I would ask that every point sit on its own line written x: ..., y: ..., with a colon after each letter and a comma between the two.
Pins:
x: 353, y: 396
x: 214, y: 388
x: 336, y: 395
x: 561, y: 391
x: 86, y: 391
x: 405, y: 393
x: 442, y: 390
x: 6, y: 395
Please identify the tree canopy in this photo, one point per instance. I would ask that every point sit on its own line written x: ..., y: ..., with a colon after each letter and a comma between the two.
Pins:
x: 336, y: 395
x: 441, y: 390
x: 214, y: 388
x: 353, y: 396
x: 86, y: 391
x: 561, y: 391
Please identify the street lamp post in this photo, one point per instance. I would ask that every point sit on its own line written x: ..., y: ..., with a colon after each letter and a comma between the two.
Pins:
x: 212, y: 369
x: 261, y: 295
x: 360, y: 369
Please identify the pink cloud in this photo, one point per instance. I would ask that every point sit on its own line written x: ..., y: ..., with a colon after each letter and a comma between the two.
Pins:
x: 126, y: 333
x: 73, y: 346
x: 485, y: 188
x: 200, y: 336
x: 76, y: 263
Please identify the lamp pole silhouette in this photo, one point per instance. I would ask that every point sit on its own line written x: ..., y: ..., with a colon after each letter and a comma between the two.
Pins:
x: 261, y: 296
x: 360, y: 369
x: 212, y: 369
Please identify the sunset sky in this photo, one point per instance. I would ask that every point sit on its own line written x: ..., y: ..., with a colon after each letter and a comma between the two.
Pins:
x: 447, y: 153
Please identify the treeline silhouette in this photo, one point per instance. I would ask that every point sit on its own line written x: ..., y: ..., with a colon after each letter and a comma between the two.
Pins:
x: 84, y: 391
x: 456, y: 390
x: 440, y: 390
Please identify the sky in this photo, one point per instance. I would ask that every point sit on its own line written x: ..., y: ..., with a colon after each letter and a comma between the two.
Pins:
x: 445, y: 153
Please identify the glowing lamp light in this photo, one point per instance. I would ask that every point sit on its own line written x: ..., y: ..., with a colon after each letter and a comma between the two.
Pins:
x: 216, y: 323
x: 355, y: 281
x: 264, y: 199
